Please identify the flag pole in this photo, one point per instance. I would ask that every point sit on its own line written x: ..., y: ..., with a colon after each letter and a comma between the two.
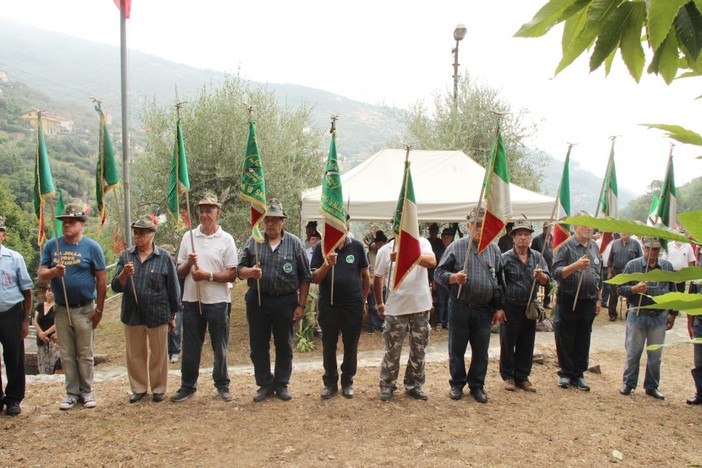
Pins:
x: 125, y: 120
x: 250, y: 108
x: 58, y: 261
x: 552, y: 219
x: 488, y: 172
x: 98, y: 108
x: 597, y: 212
x: 331, y: 289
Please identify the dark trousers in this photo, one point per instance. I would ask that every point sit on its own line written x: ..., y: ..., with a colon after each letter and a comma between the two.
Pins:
x: 697, y: 370
x: 468, y: 325
x: 442, y: 305
x: 572, y: 330
x: 613, y: 302
x: 274, y: 315
x: 216, y: 318
x: 375, y: 323
x: 335, y: 319
x: 174, y: 336
x: 547, y: 294
x: 517, y: 337
x: 13, y: 353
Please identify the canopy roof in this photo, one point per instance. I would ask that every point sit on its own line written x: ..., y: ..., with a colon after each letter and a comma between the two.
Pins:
x: 446, y: 186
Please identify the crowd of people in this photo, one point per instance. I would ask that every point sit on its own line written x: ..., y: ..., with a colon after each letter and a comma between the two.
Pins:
x: 469, y: 291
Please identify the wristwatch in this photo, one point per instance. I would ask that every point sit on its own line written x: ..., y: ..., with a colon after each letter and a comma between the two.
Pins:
x: 211, y: 277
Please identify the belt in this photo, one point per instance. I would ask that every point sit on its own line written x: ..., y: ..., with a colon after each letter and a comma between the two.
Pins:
x: 652, y: 313
x: 77, y: 305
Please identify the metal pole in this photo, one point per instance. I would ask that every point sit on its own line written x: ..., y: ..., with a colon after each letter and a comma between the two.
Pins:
x: 455, y: 76
x: 125, y: 123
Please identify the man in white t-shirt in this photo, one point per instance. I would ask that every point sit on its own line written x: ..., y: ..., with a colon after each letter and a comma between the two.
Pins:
x: 681, y: 256
x: 406, y: 312
x: 208, y: 268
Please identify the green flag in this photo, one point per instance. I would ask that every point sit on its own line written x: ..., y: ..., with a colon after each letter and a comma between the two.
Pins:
x: 332, y: 203
x: 179, y: 181
x: 253, y: 184
x: 561, y: 232
x: 667, y: 204
x: 59, y: 211
x: 397, y: 219
x: 106, y: 175
x: 43, y: 183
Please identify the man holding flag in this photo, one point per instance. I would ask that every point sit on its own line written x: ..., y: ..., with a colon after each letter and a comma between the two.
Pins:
x: 479, y: 306
x: 409, y: 301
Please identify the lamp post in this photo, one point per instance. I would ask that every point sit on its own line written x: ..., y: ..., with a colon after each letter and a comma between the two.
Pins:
x: 458, y: 34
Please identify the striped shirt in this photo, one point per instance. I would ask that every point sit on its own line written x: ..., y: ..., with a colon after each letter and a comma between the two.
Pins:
x: 654, y: 288
x: 514, y: 270
x: 570, y: 252
x: 283, y: 269
x: 622, y: 253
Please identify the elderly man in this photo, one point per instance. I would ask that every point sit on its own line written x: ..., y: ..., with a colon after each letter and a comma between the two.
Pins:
x: 278, y: 272
x: 694, y: 329
x: 406, y: 312
x: 78, y: 263
x: 147, y: 278
x: 645, y: 327
x: 479, y: 306
x: 341, y: 309
x: 623, y: 250
x: 521, y: 267
x: 577, y: 257
x: 542, y: 244
x: 207, y: 260
x: 15, y: 309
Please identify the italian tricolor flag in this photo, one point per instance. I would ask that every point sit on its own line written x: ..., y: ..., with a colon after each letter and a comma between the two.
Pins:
x: 408, y: 249
x: 498, y: 204
x: 561, y: 232
x: 666, y: 211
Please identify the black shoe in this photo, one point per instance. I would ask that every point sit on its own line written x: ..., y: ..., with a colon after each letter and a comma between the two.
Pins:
x: 136, y: 397
x: 564, y: 382
x: 12, y: 408
x: 479, y: 395
x: 695, y: 400
x: 329, y: 392
x: 283, y: 393
x: 417, y: 393
x: 158, y: 397
x: 385, y: 394
x: 626, y: 390
x: 613, y: 319
x: 182, y: 395
x: 224, y: 394
x: 655, y: 393
x: 581, y: 384
x: 347, y: 391
x: 262, y: 393
x: 456, y: 393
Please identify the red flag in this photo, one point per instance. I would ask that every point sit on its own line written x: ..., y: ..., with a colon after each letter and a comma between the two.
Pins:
x: 127, y: 6
x: 408, y: 248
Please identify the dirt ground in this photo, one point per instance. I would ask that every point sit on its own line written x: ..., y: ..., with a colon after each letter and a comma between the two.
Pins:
x: 551, y: 427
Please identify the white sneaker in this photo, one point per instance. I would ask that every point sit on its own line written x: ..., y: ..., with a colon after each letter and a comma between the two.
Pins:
x: 174, y: 358
x: 88, y: 400
x: 68, y: 403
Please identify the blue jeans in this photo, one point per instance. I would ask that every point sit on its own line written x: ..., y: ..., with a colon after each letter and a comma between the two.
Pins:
x: 216, y: 318
x: 472, y: 326
x: 375, y: 323
x: 644, y: 330
x: 174, y: 336
x: 697, y: 371
x: 442, y: 305
x: 274, y: 315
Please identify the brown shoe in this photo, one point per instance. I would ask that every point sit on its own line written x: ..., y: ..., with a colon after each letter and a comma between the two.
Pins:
x: 510, y: 386
x: 527, y: 386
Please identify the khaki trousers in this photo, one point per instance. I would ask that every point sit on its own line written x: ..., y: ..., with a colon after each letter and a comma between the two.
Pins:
x: 147, y: 357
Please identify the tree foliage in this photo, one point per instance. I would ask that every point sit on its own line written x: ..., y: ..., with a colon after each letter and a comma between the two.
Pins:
x: 470, y: 125
x: 672, y: 29
x: 21, y: 232
x: 215, y: 129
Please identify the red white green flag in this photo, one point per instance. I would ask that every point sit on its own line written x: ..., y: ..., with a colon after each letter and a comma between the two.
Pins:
x: 561, y: 232
x: 408, y: 249
x: 43, y: 182
x: 332, y: 203
x: 106, y: 175
x: 667, y: 204
x: 651, y: 219
x: 498, y: 203
x: 253, y: 184
x: 608, y: 200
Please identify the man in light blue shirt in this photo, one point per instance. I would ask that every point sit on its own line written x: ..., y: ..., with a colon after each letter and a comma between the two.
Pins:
x: 15, y: 308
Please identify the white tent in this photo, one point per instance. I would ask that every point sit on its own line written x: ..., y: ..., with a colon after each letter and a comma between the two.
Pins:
x: 446, y: 186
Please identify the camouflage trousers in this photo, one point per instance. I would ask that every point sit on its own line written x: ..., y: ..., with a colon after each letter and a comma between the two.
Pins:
x: 395, y: 330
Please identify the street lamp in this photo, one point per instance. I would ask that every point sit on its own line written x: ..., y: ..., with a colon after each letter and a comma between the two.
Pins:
x: 459, y: 33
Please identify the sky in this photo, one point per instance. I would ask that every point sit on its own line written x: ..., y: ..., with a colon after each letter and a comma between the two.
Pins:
x: 399, y: 53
